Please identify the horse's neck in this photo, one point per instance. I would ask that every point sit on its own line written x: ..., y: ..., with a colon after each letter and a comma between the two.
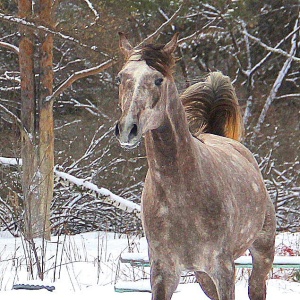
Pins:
x: 170, y: 147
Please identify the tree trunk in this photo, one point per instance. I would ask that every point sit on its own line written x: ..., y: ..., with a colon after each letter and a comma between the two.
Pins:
x: 46, y: 123
x: 28, y: 109
x: 37, y: 117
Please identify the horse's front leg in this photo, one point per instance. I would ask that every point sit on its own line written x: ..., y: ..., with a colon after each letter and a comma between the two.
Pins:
x: 223, y: 278
x: 164, y: 279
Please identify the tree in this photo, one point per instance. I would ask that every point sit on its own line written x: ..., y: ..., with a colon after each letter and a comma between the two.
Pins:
x: 36, y: 122
x: 37, y: 119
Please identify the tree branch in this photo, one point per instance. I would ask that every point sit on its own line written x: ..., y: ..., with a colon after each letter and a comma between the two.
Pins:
x: 160, y: 28
x: 10, y: 47
x: 16, y: 120
x: 274, y: 49
x: 78, y: 75
x: 94, y: 11
x: 24, y: 22
x: 103, y: 194
x: 288, y: 96
x: 189, y: 37
x: 260, y: 63
x: 99, y: 193
x: 280, y: 77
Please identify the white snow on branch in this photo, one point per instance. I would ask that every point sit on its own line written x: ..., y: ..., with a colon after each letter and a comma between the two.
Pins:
x: 18, y: 122
x: 78, y: 75
x: 87, y: 186
x: 9, y: 89
x: 24, y: 22
x: 10, y: 161
x: 166, y: 17
x: 10, y: 47
x: 93, y: 189
x: 281, y: 75
x: 90, y: 107
x: 91, y: 7
x: 274, y: 49
x: 288, y: 96
x: 160, y: 28
x: 58, y: 67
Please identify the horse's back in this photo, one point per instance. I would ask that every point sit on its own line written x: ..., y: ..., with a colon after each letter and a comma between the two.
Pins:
x: 227, y: 146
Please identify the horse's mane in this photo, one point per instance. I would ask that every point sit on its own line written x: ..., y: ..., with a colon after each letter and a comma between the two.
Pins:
x: 157, y: 58
x: 212, y: 107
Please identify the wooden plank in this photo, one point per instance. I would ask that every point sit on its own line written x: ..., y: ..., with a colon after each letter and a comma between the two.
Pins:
x: 135, y: 286
x: 280, y: 262
x: 130, y: 286
x: 142, y: 260
x: 135, y: 259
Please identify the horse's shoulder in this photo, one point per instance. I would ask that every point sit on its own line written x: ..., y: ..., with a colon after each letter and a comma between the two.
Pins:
x: 227, y: 145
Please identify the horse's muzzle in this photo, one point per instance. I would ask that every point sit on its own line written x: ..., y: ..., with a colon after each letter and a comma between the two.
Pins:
x: 127, y: 135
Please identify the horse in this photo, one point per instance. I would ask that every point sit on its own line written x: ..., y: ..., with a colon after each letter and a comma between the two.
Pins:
x: 204, y: 202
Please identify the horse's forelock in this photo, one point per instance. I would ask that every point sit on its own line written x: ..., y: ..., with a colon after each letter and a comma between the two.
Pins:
x: 155, y: 57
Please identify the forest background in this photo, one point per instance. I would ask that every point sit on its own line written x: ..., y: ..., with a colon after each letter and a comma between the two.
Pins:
x: 256, y: 43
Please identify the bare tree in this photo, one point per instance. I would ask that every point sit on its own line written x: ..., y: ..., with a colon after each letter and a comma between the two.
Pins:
x: 35, y: 53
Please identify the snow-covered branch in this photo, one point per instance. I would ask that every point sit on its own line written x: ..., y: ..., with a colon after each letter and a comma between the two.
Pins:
x: 288, y: 96
x: 10, y: 161
x: 17, y: 121
x: 95, y: 142
x: 94, y: 190
x: 10, y: 47
x: 90, y: 107
x: 88, y: 187
x: 274, y: 49
x: 281, y: 75
x: 13, y: 79
x: 160, y: 28
x: 58, y: 67
x: 11, y: 76
x: 191, y: 36
x: 264, y: 59
x: 20, y: 21
x: 94, y: 11
x: 10, y: 89
x: 78, y: 75
x: 165, y: 16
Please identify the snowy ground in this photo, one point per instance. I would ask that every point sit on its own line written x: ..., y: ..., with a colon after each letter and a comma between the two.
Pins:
x: 86, y: 266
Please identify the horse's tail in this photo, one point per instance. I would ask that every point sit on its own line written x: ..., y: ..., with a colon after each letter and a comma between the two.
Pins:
x: 212, y: 107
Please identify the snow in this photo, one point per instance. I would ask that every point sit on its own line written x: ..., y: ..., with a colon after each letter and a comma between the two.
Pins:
x: 10, y: 161
x: 85, y: 266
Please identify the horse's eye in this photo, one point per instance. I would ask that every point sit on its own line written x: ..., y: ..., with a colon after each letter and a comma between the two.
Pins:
x: 158, y: 81
x: 118, y: 80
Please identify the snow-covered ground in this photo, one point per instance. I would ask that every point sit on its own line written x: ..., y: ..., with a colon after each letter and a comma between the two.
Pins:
x: 85, y: 266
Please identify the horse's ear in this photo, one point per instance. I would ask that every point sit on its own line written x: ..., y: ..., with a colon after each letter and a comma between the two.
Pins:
x: 124, y: 45
x: 172, y: 45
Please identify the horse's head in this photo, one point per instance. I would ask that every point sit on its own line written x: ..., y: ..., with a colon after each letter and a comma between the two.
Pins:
x: 142, y: 82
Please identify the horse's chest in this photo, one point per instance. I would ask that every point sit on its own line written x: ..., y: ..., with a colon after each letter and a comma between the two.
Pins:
x: 181, y: 221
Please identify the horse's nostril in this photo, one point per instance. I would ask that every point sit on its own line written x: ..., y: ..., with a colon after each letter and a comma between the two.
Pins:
x: 133, y: 132
x: 117, y: 130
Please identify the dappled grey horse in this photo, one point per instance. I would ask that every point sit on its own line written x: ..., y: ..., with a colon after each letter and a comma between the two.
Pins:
x: 204, y: 201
